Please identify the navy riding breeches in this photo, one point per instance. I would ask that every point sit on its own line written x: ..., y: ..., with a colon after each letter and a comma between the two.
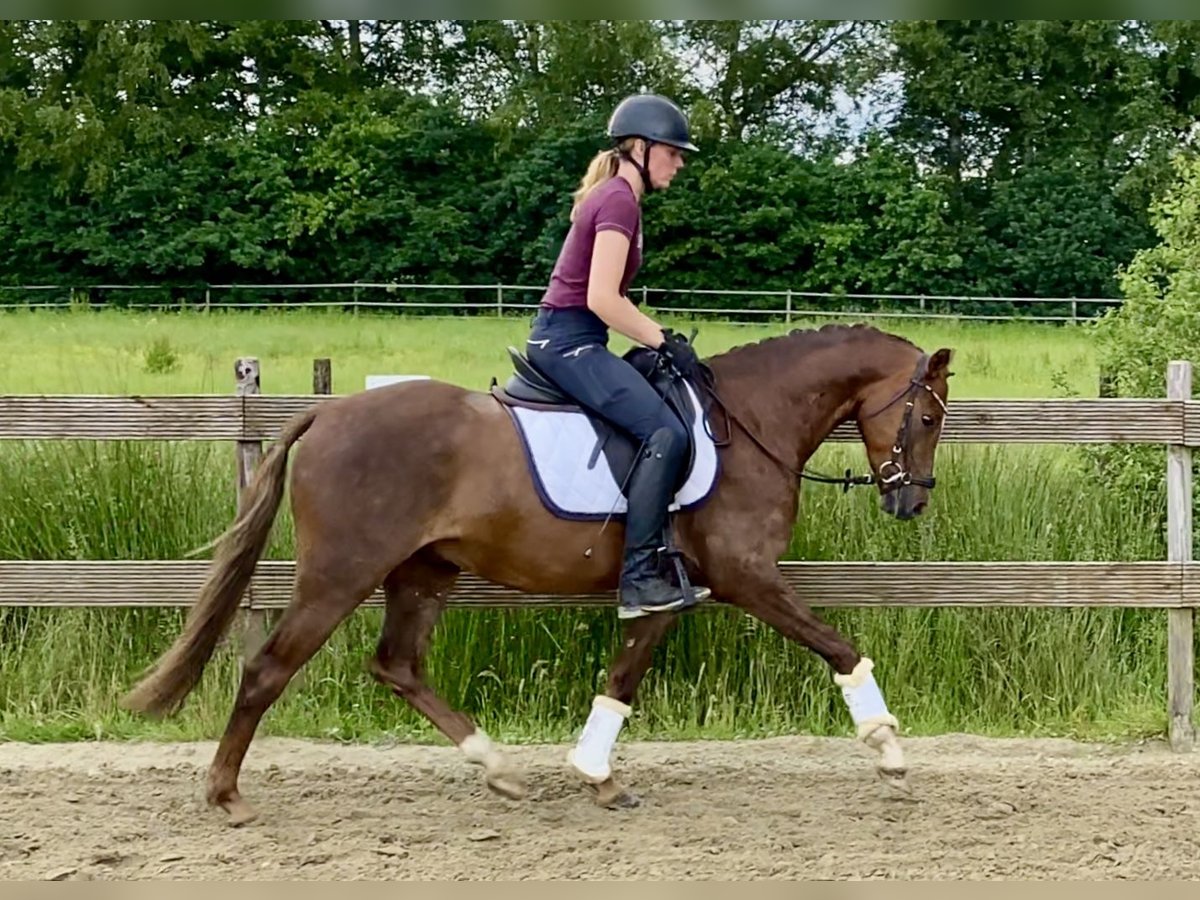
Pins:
x: 570, y: 346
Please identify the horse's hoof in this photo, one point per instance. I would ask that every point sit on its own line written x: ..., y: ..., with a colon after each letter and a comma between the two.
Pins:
x: 240, y: 812
x: 611, y: 795
x: 896, y: 779
x: 507, y: 784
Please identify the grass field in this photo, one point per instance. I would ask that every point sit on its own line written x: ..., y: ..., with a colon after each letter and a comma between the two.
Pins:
x: 116, y: 352
x: 530, y: 675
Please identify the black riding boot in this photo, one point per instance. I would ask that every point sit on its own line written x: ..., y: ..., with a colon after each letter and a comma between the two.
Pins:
x: 645, y: 589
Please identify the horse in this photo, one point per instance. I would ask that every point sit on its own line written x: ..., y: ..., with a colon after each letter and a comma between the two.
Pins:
x: 405, y: 487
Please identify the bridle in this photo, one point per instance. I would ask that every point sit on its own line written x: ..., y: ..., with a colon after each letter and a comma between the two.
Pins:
x: 893, y: 474
x: 897, y: 475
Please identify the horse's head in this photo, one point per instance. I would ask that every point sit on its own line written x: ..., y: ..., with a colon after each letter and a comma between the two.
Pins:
x: 900, y: 418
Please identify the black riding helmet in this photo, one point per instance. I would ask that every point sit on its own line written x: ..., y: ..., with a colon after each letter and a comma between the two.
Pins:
x: 653, y: 118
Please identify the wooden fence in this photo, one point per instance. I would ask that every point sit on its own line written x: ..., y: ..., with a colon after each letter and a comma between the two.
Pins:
x: 247, y: 418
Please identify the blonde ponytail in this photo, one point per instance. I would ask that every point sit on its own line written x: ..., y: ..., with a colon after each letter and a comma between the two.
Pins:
x: 602, y: 167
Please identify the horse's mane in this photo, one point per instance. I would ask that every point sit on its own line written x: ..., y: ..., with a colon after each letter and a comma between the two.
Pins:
x: 807, y: 340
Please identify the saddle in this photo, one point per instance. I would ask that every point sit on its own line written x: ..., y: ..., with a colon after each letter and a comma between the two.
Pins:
x: 528, y: 388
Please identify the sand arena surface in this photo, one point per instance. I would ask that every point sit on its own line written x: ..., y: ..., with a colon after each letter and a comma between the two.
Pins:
x: 780, y: 808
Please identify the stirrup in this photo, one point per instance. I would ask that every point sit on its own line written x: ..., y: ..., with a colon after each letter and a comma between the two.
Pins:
x: 680, y: 604
x: 673, y: 553
x: 679, y: 598
x: 664, y: 597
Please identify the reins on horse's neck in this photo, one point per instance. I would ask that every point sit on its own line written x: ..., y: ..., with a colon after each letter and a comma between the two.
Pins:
x: 847, y: 481
x: 708, y: 384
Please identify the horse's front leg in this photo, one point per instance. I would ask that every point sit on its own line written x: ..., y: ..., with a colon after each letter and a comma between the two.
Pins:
x: 768, y: 598
x: 590, y: 757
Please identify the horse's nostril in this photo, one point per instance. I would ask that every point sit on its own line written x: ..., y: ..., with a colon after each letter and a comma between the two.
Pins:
x: 919, y: 507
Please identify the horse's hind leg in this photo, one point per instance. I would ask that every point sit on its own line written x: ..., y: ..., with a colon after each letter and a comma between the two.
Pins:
x: 590, y: 756
x: 319, y: 603
x: 416, y: 595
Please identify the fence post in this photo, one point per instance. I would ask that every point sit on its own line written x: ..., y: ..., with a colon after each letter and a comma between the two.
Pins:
x: 499, y: 301
x: 322, y: 376
x: 249, y: 453
x: 1180, y: 622
x: 787, y: 318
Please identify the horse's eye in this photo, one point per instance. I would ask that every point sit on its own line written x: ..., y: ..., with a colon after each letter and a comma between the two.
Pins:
x: 927, y: 420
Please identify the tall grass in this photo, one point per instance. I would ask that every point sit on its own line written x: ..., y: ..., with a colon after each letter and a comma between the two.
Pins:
x: 530, y: 675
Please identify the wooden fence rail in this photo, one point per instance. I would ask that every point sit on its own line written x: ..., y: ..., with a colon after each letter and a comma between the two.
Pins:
x: 174, y: 583
x: 258, y: 417
x: 248, y: 418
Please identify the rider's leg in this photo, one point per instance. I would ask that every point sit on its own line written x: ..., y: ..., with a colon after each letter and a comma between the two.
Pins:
x: 610, y: 386
x: 645, y: 587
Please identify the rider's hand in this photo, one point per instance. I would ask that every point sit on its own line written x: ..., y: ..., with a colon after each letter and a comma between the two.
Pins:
x: 679, y: 353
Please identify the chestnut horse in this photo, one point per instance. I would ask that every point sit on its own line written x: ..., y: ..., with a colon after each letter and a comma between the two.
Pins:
x: 407, y: 486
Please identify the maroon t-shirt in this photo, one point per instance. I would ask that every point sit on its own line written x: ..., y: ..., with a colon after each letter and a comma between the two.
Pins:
x: 613, y: 206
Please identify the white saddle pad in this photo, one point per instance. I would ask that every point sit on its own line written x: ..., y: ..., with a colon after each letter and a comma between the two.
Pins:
x: 560, y: 447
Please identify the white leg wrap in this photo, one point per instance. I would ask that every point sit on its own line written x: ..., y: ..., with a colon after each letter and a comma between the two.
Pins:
x: 591, y: 754
x: 864, y: 700
x: 478, y: 748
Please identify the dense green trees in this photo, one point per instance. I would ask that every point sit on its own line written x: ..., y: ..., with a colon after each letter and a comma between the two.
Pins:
x: 1013, y: 158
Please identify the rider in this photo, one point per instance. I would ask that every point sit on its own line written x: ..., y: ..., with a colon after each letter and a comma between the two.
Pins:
x: 587, y: 295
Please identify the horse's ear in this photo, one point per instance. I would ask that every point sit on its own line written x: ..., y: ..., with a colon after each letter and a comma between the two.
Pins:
x: 938, y: 364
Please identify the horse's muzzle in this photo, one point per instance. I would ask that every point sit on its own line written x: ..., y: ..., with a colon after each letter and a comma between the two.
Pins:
x: 905, y: 503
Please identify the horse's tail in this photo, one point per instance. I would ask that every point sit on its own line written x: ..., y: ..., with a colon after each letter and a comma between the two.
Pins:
x: 163, y: 689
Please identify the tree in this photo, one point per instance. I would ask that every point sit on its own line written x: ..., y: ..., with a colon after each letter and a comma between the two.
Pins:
x: 1159, y: 321
x: 544, y: 75
x: 759, y: 77
x: 1160, y: 318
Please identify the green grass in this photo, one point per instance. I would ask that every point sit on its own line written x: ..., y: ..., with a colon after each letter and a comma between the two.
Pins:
x: 530, y: 675
x: 108, y: 351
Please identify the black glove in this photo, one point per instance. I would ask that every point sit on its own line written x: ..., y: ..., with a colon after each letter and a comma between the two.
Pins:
x: 679, y: 353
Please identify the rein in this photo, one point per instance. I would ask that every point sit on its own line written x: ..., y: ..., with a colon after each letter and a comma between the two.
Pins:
x: 892, y: 474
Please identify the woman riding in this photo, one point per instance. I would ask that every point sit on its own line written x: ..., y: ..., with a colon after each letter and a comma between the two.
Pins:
x: 588, y: 294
